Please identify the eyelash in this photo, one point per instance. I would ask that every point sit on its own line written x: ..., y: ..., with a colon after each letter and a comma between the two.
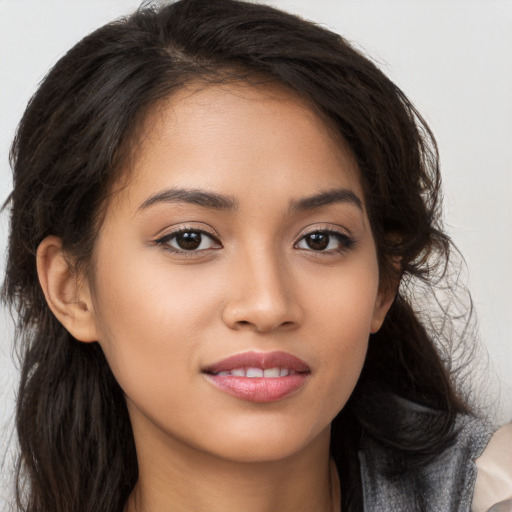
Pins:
x: 345, y: 241
x: 164, y: 241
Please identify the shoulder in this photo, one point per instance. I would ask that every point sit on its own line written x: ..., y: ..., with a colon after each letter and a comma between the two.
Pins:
x: 494, y: 473
x: 446, y: 482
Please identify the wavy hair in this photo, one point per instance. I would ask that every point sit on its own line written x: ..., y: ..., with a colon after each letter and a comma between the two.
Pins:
x: 77, y: 451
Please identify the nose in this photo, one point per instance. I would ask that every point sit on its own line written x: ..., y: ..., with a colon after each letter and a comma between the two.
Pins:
x: 261, y: 295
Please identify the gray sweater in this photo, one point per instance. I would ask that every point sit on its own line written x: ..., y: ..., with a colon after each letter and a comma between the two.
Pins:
x: 444, y: 485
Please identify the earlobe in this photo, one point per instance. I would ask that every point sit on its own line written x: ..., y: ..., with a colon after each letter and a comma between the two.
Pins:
x: 384, y: 300
x: 67, y: 295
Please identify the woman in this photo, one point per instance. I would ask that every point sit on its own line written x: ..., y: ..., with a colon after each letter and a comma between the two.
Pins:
x: 218, y: 210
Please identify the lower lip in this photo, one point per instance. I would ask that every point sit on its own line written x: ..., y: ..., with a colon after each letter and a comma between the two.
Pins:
x: 258, y: 389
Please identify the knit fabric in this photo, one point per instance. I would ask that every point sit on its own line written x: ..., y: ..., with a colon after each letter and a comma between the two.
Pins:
x: 444, y: 485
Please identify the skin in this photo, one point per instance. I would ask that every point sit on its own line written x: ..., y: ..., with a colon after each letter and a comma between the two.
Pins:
x: 162, y: 316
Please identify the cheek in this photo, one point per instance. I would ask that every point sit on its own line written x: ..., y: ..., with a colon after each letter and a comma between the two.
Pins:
x: 342, y: 309
x: 341, y: 302
x: 149, y: 316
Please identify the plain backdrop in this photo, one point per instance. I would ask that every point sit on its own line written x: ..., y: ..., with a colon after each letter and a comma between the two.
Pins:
x: 452, y: 58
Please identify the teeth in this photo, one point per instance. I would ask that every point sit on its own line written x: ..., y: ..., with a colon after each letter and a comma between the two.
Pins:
x: 254, y: 372
x: 269, y: 373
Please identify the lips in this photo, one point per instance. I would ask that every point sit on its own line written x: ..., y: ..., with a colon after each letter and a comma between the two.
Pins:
x: 259, y: 376
x: 252, y: 372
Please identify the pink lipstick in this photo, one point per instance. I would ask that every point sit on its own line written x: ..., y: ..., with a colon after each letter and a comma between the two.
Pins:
x: 259, y: 376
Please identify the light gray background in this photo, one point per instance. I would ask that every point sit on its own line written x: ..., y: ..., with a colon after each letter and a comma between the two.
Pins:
x: 452, y: 58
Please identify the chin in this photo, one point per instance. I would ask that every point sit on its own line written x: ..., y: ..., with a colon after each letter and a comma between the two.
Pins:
x: 270, y: 444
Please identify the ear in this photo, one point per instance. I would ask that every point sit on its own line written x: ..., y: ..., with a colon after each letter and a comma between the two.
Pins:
x: 67, y: 295
x: 385, y: 298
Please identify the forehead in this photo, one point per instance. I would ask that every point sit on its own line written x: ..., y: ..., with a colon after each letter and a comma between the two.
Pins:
x: 238, y: 137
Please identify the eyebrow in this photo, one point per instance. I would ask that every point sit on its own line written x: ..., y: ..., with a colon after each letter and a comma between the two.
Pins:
x: 229, y: 203
x: 338, y: 195
x: 192, y: 196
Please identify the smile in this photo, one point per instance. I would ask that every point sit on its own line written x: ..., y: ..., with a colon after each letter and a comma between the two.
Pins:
x: 259, y: 377
x: 252, y: 373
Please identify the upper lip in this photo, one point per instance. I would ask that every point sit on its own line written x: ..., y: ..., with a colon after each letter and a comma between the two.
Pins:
x: 263, y: 360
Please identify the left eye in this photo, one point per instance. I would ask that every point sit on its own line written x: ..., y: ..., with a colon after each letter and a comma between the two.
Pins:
x: 324, y: 241
x: 189, y: 240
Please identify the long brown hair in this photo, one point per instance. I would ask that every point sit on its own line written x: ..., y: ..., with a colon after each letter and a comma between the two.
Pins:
x: 77, y: 451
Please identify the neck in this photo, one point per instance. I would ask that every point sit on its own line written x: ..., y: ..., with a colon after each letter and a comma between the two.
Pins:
x: 179, y: 479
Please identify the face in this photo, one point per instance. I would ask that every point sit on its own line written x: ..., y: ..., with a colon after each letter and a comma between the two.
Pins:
x: 235, y: 276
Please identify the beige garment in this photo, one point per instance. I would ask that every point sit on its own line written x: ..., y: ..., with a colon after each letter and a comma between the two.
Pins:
x: 493, y: 486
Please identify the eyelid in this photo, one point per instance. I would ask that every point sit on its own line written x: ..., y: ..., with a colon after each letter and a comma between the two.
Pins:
x: 163, y: 240
x: 325, y: 227
x: 343, y: 235
x: 345, y: 238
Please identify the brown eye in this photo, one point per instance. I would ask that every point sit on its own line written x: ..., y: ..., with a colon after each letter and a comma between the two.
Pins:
x: 188, y: 241
x: 327, y: 241
x: 317, y: 241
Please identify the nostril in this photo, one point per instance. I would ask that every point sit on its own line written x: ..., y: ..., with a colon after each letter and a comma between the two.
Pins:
x: 259, y: 315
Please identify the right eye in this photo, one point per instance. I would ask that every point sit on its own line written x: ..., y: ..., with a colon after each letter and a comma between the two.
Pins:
x: 188, y: 241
